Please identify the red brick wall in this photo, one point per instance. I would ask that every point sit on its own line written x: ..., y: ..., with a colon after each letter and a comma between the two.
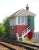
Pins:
x: 20, y: 28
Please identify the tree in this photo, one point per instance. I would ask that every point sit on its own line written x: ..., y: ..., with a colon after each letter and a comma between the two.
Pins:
x: 2, y: 29
x: 6, y: 25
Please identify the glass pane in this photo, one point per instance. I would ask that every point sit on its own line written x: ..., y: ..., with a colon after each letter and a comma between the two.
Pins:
x: 25, y: 20
x: 18, y: 20
x: 29, y: 20
x: 22, y: 20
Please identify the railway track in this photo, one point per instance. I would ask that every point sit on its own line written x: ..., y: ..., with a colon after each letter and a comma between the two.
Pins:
x: 5, y: 47
x: 19, y: 46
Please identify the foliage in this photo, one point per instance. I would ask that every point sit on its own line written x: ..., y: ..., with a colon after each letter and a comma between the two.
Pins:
x: 6, y: 25
x: 5, y: 31
x: 2, y: 29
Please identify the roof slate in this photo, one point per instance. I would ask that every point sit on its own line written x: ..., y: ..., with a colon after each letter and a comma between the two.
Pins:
x: 23, y: 12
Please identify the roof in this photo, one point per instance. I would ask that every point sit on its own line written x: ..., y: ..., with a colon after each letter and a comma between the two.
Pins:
x: 23, y: 12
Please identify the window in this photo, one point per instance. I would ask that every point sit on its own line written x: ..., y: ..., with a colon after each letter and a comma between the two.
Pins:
x: 29, y: 20
x: 22, y: 20
x: 18, y: 20
x: 26, y: 20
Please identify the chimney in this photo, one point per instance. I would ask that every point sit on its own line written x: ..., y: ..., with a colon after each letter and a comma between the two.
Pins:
x: 27, y: 8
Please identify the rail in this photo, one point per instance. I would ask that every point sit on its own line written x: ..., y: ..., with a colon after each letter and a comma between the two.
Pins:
x: 7, y: 46
x: 23, y: 46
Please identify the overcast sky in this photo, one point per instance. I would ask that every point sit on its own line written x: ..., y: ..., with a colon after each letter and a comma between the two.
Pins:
x: 7, y: 7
